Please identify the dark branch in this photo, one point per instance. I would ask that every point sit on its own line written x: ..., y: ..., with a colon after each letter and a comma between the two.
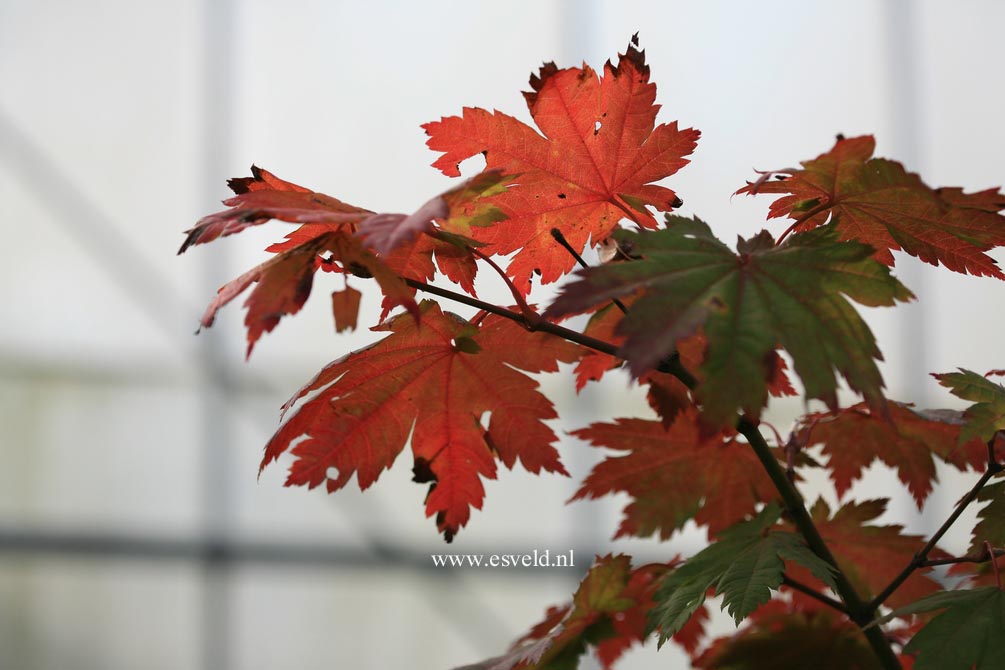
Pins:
x: 858, y: 611
x: 816, y: 595
x: 560, y: 238
x: 922, y: 556
x: 982, y: 557
x: 528, y: 323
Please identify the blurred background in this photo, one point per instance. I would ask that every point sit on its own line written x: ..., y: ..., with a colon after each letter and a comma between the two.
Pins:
x: 133, y: 530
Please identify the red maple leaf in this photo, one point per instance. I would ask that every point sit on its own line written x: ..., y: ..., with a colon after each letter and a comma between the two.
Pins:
x: 387, y: 247
x: 432, y: 380
x: 674, y: 475
x: 593, y: 164
x: 345, y: 308
x: 264, y: 197
x: 782, y: 635
x: 283, y: 283
x: 870, y: 556
x: 609, y: 610
x: 876, y: 201
x: 904, y: 440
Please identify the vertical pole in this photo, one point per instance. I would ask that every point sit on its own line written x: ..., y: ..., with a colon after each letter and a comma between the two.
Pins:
x: 905, y: 104
x: 217, y: 75
x: 915, y: 341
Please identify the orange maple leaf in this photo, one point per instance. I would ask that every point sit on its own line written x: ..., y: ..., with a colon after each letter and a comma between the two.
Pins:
x: 594, y: 165
x: 432, y: 380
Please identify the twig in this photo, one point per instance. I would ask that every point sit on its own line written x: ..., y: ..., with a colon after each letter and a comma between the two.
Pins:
x: 560, y: 238
x: 670, y: 365
x: 922, y: 556
x: 529, y: 324
x: 982, y: 557
x: 858, y: 611
x: 816, y: 595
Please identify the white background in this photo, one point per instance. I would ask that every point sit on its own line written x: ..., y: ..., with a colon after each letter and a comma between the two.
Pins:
x: 119, y: 123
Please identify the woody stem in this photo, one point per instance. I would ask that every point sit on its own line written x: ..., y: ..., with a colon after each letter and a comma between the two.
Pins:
x: 858, y: 611
x: 922, y: 556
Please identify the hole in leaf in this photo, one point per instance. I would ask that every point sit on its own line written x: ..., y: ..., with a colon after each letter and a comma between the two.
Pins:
x: 596, y: 126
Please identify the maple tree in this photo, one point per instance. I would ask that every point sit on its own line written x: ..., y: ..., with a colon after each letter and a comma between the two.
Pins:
x: 714, y: 333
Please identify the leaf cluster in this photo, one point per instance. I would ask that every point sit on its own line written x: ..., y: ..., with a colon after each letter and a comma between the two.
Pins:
x: 713, y: 332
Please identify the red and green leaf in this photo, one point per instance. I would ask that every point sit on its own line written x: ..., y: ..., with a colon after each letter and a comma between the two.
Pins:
x: 747, y: 303
x: 877, y: 202
x: 608, y: 612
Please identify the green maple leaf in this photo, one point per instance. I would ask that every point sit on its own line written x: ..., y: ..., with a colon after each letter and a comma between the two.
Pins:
x: 747, y: 303
x: 969, y: 635
x: 987, y: 415
x: 744, y: 566
x: 991, y: 518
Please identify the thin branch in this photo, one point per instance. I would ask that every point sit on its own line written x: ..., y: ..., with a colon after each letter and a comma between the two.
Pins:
x: 982, y: 557
x: 528, y: 323
x: 670, y: 365
x: 858, y: 611
x: 922, y: 556
x: 993, y: 465
x: 560, y: 238
x: 816, y: 595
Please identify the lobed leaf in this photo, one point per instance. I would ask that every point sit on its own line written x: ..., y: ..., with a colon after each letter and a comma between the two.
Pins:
x: 969, y: 635
x: 877, y: 202
x: 744, y: 566
x: 593, y: 163
x: 675, y: 474
x: 608, y: 612
x: 747, y: 303
x: 987, y: 415
x: 904, y: 440
x: 429, y: 381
